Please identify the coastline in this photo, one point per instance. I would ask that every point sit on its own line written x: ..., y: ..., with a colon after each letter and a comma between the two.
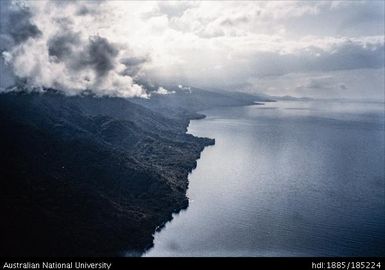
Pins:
x: 195, y: 231
x: 184, y: 203
x: 114, y: 172
x: 199, y: 115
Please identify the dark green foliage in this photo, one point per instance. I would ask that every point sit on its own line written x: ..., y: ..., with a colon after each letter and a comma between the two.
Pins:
x: 88, y: 176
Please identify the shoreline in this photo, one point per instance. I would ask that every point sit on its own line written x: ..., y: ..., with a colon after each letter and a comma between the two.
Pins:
x: 159, y: 228
x: 200, y: 116
x: 114, y: 172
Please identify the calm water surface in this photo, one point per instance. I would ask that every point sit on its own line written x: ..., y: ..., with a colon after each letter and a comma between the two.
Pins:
x: 284, y: 179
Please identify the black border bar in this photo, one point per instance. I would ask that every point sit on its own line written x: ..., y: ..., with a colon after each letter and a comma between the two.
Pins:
x: 263, y: 263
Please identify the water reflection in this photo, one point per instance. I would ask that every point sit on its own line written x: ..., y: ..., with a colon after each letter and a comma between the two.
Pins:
x: 285, y: 179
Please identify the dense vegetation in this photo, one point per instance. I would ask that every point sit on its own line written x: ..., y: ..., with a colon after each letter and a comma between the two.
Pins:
x: 89, y: 175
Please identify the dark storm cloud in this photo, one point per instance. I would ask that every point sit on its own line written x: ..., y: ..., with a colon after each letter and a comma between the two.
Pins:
x: 133, y: 64
x: 77, y: 58
x: 61, y: 46
x: 16, y: 27
x: 100, y: 55
x: 83, y: 10
x: 96, y: 53
x: 20, y: 26
x: 16, y: 24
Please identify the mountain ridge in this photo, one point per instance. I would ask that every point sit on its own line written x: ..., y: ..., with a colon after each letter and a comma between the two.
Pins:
x: 90, y: 176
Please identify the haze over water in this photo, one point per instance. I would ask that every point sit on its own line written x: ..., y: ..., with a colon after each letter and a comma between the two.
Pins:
x: 284, y: 179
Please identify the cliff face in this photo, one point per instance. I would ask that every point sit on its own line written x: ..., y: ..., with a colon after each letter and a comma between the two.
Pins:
x: 89, y: 176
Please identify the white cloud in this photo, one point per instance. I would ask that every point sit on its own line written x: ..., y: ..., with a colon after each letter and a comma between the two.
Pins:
x: 208, y: 43
x: 163, y: 91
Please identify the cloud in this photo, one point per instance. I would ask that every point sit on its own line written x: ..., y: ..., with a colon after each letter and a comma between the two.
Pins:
x: 171, y: 9
x: 320, y: 83
x: 235, y: 21
x: 17, y: 24
x: 63, y: 45
x: 87, y: 9
x: 100, y: 55
x: 119, y: 48
x: 163, y: 91
x: 52, y: 45
x: 325, y: 54
x: 134, y: 64
x: 356, y: 83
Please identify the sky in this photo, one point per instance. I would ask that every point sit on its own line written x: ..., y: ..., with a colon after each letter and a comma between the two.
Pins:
x: 322, y: 49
